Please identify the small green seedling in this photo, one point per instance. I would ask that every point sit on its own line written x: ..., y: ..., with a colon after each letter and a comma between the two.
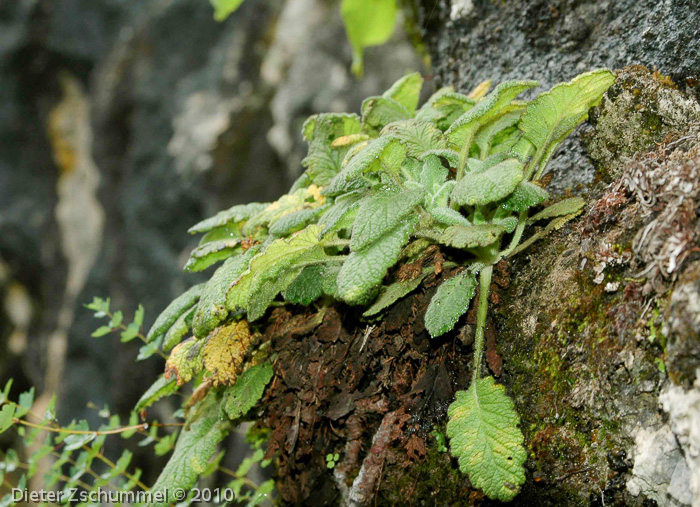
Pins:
x: 332, y: 460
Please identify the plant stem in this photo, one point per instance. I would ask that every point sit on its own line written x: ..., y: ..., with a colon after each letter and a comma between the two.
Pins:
x: 517, y: 235
x: 482, y: 312
x: 79, y: 432
x: 140, y: 335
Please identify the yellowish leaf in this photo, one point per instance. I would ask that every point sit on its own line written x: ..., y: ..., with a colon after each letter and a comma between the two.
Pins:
x: 225, y: 351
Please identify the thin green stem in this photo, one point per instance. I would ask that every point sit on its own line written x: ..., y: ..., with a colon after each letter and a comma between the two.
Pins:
x: 482, y: 312
x: 140, y: 335
x: 517, y: 235
x: 79, y: 432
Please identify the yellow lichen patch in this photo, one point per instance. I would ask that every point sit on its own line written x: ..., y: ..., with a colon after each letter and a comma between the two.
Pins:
x: 225, y: 351
x: 185, y: 361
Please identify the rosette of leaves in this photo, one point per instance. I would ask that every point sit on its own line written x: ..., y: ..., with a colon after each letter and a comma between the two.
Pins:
x: 461, y: 172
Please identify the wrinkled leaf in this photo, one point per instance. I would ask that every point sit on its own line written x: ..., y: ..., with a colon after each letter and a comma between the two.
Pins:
x: 449, y: 303
x: 247, y: 390
x: 485, y: 438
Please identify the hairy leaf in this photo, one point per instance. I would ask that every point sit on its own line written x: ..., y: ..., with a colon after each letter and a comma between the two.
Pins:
x: 526, y: 195
x: 176, y: 308
x: 247, y: 390
x: 235, y: 214
x: 486, y: 135
x: 465, y: 127
x: 433, y: 175
x: 449, y: 303
x: 448, y: 216
x: 185, y: 361
x: 295, y: 221
x: 383, y: 154
x: 224, y: 352
x: 321, y: 131
x: 364, y: 269
x: 471, y: 236
x: 160, y: 389
x: 484, y: 436
x: 272, y: 271
x: 444, y: 107
x: 406, y: 91
x: 416, y: 137
x: 341, y: 208
x: 307, y: 286
x: 378, y: 112
x: 380, y: 213
x: 177, y: 331
x: 564, y: 207
x: 392, y: 293
x: 489, y: 186
x: 554, y: 114
x: 211, y: 308
x: 304, y: 198
x: 367, y: 23
x: 195, y: 447
x: 209, y: 254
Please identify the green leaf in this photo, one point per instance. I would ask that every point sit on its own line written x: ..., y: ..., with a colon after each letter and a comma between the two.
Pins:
x: 406, y: 91
x: 76, y: 441
x: 25, y: 402
x: 176, y: 308
x: 383, y: 154
x: 378, y: 112
x: 334, y: 216
x: 178, y: 330
x: 564, y: 207
x: 224, y: 8
x: 131, y: 332
x: 149, y: 349
x: 307, y: 286
x: 526, y: 195
x: 271, y: 271
x: 295, y: 221
x: 394, y: 292
x: 247, y: 390
x: 185, y: 361
x: 489, y: 186
x: 101, y: 331
x: 195, y: 446
x: 444, y: 107
x: 448, y: 216
x: 364, y: 269
x: 7, y: 412
x: 211, y: 309
x: 484, y: 436
x: 233, y: 215
x: 433, y: 174
x: 367, y: 23
x: 488, y: 133
x: 416, y: 137
x: 160, y: 389
x: 491, y: 106
x: 380, y: 213
x: 449, y: 303
x: 209, y: 254
x: 554, y: 114
x: 324, y: 158
x: 472, y: 236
